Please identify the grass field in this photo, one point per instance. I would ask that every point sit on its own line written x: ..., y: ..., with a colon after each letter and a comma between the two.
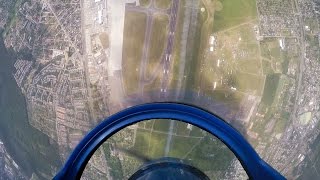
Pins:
x: 270, y: 49
x: 196, y: 51
x: 270, y: 88
x: 163, y: 4
x: 158, y: 41
x: 280, y: 125
x: 151, y: 144
x: 311, y: 171
x: 144, y: 2
x: 181, y: 128
x: 197, y: 132
x: 234, y: 13
x: 202, y: 150
x: 249, y: 83
x: 177, y: 45
x: 180, y: 146
x: 154, y: 85
x: 13, y: 15
x: 161, y: 125
x: 211, y: 155
x: 266, y: 66
x: 134, y: 32
x: 305, y: 118
x: 251, y: 66
x: 279, y: 95
x: 149, y: 124
x: 113, y: 162
x: 234, y: 63
x: 104, y: 39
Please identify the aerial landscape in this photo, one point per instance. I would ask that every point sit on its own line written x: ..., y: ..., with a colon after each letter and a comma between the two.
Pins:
x: 66, y: 65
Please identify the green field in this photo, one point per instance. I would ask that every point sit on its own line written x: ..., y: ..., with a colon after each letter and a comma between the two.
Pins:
x: 270, y: 88
x: 249, y: 83
x: 280, y: 93
x: 266, y: 66
x: 31, y: 149
x: 211, y: 155
x: 144, y: 2
x: 113, y: 162
x: 180, y: 146
x: 203, y: 151
x: 270, y: 49
x: 234, y: 12
x: 134, y: 33
x: 149, y: 124
x: 285, y: 65
x: 234, y: 63
x: 280, y: 125
x: 104, y: 39
x: 161, y: 125
x: 154, y: 85
x: 181, y: 128
x: 311, y: 170
x: 197, y: 132
x: 177, y: 46
x: 305, y: 118
x: 158, y: 41
x: 195, y: 52
x: 150, y: 144
x: 163, y: 4
x: 12, y: 19
x: 251, y: 66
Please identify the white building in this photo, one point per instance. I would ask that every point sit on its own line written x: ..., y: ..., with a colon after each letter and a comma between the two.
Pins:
x: 281, y: 43
x: 212, y: 40
x: 100, y: 16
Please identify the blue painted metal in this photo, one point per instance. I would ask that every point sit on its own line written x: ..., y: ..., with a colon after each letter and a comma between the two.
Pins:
x: 255, y: 167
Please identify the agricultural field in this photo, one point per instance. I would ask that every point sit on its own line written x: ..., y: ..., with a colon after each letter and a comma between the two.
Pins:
x: 133, y: 42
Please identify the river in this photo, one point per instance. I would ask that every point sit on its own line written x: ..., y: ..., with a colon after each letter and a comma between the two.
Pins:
x: 32, y: 150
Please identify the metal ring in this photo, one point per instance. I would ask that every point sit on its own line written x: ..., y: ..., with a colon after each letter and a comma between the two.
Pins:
x: 254, y: 166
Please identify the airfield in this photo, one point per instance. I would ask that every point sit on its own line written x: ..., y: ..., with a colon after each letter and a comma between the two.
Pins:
x: 205, y: 52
